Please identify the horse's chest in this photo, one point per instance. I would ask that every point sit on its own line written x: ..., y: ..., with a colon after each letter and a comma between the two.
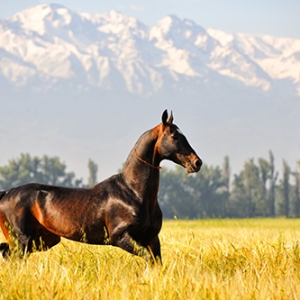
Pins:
x: 148, y: 225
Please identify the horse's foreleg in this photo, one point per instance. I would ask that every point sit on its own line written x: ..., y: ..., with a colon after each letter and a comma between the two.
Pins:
x: 154, y: 249
x: 127, y: 243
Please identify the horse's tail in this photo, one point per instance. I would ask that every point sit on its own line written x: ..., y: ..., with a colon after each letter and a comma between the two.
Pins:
x: 4, y: 250
x: 4, y: 247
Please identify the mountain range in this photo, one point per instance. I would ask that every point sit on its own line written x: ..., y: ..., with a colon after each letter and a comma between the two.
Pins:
x: 65, y: 76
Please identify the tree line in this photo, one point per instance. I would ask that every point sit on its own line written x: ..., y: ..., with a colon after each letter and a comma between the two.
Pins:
x: 256, y: 191
x: 45, y: 170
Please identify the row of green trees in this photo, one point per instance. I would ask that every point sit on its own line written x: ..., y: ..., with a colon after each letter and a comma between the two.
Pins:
x: 256, y: 191
x: 46, y: 170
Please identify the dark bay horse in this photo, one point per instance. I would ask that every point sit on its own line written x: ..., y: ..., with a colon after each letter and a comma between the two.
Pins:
x: 122, y: 210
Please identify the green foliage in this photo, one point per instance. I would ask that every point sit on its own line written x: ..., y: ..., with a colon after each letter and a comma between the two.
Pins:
x: 198, y: 196
x: 46, y: 170
x: 253, y: 192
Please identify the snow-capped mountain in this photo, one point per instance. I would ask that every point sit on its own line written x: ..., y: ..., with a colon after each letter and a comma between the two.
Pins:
x: 81, y: 85
x: 49, y: 47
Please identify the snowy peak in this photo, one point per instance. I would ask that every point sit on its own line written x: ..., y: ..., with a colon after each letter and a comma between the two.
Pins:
x: 173, y: 25
x: 45, y: 17
x: 115, y: 23
x: 46, y: 45
x: 179, y: 32
x: 222, y: 37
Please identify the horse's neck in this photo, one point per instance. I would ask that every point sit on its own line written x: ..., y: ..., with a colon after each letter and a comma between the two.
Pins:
x: 142, y: 178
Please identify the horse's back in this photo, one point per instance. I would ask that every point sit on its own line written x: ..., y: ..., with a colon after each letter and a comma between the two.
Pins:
x: 35, y: 201
x: 26, y: 194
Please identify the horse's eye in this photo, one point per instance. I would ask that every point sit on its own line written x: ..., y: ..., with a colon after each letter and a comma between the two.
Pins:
x: 175, y: 136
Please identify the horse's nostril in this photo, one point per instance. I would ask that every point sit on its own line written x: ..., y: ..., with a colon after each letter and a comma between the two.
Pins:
x: 198, y: 163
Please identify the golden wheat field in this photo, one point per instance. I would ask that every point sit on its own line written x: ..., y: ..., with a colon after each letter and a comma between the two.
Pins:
x: 205, y: 259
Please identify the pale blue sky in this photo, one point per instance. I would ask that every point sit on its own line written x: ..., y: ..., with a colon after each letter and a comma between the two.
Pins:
x: 273, y: 17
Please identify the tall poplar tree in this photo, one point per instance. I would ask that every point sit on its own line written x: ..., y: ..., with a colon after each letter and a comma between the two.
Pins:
x: 226, y: 172
x: 297, y: 190
x: 273, y: 178
x: 93, y: 169
x: 286, y: 188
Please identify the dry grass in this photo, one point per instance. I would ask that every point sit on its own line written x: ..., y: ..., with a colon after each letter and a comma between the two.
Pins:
x: 207, y: 259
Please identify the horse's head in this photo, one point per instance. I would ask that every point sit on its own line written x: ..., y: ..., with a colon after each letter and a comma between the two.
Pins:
x: 173, y: 145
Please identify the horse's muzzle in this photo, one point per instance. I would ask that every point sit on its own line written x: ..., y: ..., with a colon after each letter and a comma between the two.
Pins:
x: 194, y: 164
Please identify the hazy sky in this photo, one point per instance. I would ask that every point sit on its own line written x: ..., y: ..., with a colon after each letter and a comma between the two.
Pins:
x: 273, y: 17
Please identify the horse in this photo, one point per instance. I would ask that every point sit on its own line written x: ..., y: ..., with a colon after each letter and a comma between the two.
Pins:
x: 121, y: 211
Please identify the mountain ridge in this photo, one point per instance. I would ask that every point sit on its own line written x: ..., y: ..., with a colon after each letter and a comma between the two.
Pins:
x: 82, y: 85
x: 50, y: 42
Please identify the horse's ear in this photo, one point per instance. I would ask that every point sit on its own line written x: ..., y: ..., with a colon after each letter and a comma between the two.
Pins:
x: 164, y: 117
x: 171, y: 118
